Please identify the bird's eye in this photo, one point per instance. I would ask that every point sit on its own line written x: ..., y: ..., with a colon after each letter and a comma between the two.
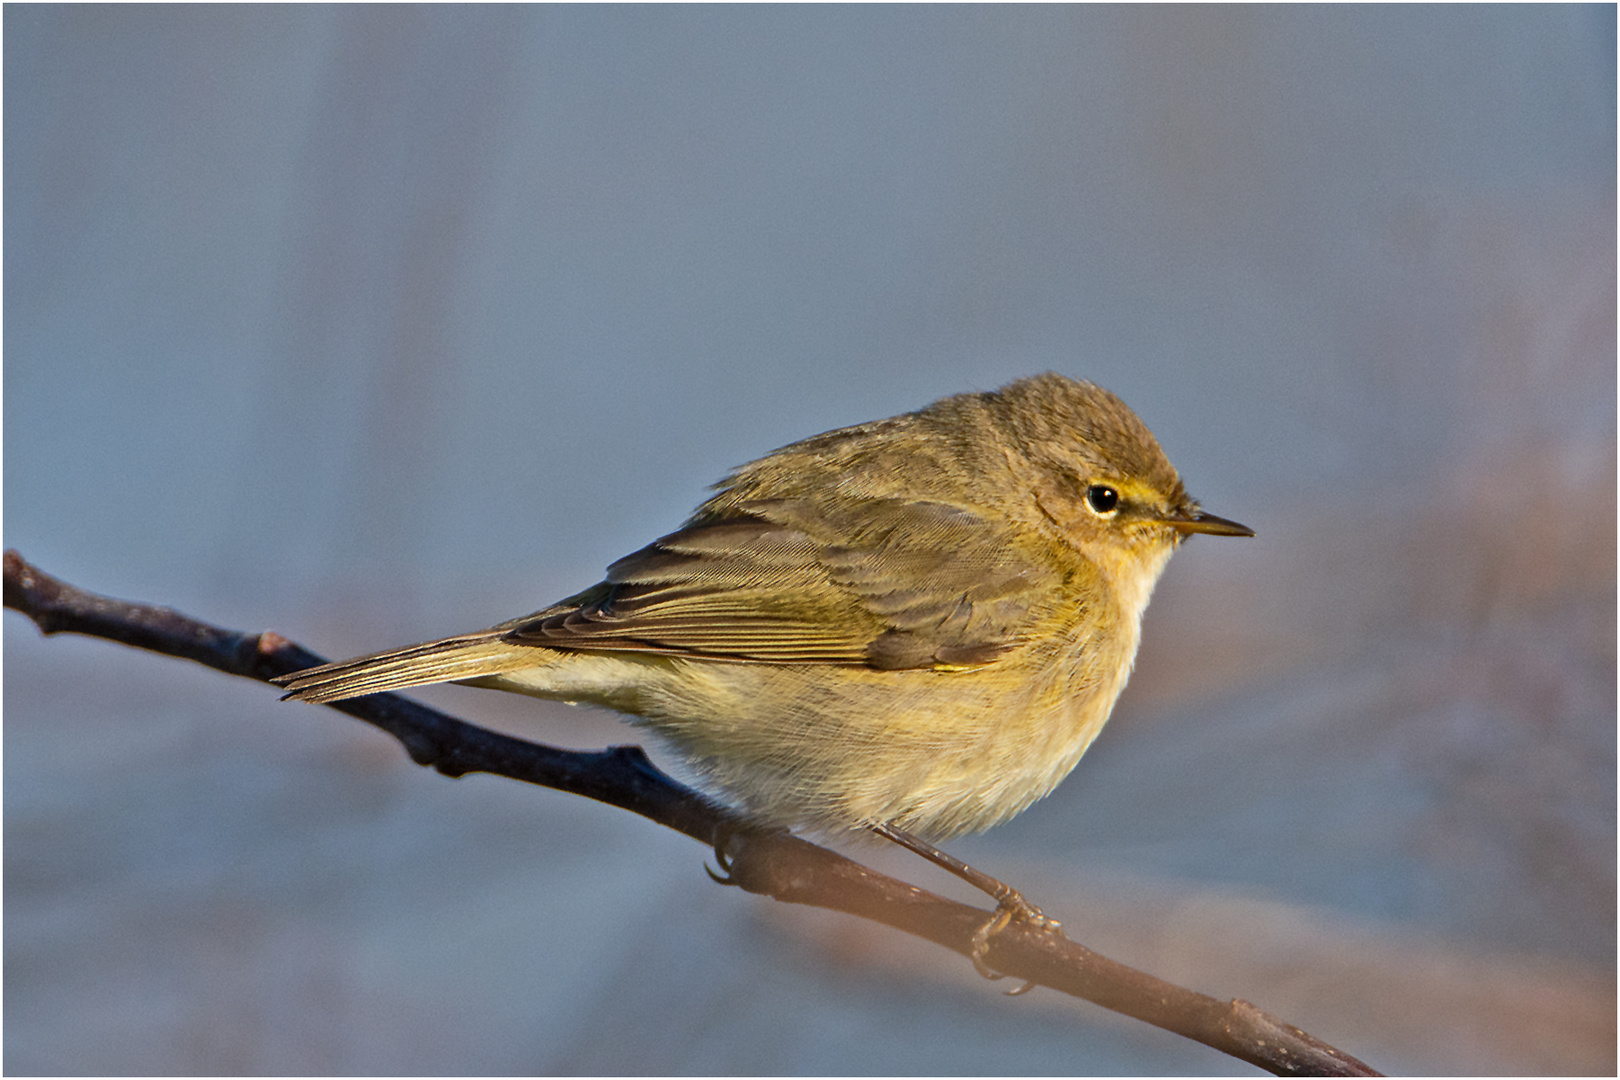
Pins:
x: 1102, y: 499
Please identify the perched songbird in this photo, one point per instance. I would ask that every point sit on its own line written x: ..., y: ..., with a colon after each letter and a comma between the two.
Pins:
x: 914, y: 626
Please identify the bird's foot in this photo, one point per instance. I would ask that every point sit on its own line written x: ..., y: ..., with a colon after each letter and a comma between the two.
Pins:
x: 1010, y: 908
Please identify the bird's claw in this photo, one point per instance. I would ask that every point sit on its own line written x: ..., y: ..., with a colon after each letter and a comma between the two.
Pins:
x: 1010, y: 910
x: 722, y: 837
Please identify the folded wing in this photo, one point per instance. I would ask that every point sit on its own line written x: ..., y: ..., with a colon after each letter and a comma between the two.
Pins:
x: 888, y: 584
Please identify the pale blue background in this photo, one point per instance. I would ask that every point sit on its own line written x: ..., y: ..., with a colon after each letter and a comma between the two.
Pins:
x: 376, y: 324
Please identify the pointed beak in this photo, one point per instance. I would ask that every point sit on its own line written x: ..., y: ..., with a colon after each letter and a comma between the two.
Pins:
x: 1200, y: 522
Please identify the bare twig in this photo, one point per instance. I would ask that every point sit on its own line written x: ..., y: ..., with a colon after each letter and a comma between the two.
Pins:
x: 770, y: 863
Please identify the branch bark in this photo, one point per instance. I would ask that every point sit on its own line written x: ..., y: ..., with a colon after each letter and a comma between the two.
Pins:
x: 769, y: 863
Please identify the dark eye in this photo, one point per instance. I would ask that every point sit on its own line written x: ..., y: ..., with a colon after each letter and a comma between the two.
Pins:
x: 1102, y: 499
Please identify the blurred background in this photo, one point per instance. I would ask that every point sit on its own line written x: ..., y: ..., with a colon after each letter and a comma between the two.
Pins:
x: 375, y: 324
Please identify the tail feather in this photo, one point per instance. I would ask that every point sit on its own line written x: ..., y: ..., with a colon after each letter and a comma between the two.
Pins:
x: 465, y: 657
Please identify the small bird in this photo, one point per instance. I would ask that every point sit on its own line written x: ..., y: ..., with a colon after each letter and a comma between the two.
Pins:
x: 914, y: 626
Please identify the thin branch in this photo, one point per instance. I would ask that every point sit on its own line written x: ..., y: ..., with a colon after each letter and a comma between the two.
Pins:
x: 770, y: 863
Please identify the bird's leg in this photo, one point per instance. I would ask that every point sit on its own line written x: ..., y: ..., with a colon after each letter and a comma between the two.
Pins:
x: 1011, y: 906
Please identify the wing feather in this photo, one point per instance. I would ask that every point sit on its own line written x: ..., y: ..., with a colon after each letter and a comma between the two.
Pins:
x: 887, y: 584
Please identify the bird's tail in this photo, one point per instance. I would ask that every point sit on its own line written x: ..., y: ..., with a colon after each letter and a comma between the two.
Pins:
x: 466, y: 657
